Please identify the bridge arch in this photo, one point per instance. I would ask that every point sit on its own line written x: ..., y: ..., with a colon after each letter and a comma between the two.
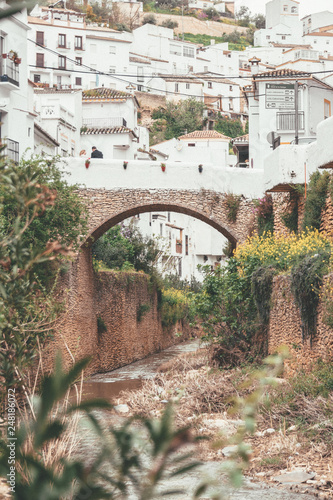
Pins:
x: 107, y: 208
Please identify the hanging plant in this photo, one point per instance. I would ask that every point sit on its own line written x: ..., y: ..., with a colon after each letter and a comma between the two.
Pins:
x: 4, y: 56
x: 12, y: 55
x: 163, y: 167
x: 200, y: 168
x: 125, y: 164
x: 17, y: 60
x: 87, y: 162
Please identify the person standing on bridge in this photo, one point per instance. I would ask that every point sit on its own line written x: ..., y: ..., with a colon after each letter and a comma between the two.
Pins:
x: 95, y: 153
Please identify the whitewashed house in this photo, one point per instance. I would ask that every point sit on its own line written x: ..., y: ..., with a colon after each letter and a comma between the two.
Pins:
x: 66, y: 52
x: 201, y: 147
x: 313, y: 22
x: 186, y: 242
x: 207, y: 4
x: 272, y: 110
x: 282, y: 24
x: 16, y: 110
x: 217, y: 58
x: 322, y: 41
x: 59, y: 114
x: 109, y: 122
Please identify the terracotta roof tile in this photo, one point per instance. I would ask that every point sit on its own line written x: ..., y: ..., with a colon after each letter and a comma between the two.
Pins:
x: 204, y: 134
x: 241, y: 138
x: 104, y: 93
x: 107, y: 131
x: 281, y: 73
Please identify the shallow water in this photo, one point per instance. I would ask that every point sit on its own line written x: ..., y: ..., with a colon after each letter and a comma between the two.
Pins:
x: 109, y: 385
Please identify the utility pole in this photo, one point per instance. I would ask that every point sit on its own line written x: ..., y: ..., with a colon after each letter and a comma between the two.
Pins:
x: 183, y: 20
x: 296, y: 112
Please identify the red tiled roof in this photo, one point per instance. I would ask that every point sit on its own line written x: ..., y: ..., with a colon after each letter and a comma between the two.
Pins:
x: 104, y: 93
x: 107, y: 131
x: 281, y: 73
x: 204, y: 134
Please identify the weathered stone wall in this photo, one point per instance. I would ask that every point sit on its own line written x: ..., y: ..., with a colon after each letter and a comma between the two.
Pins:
x: 107, y: 208
x: 115, y: 298
x: 285, y: 329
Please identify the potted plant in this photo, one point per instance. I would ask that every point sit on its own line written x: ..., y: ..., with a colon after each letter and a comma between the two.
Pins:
x: 4, y: 56
x: 17, y: 60
x: 125, y: 164
x: 163, y: 167
x: 87, y: 162
x: 200, y: 168
x: 12, y: 55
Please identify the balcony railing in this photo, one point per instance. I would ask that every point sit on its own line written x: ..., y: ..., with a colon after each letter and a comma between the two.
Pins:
x: 11, y: 150
x: 9, y: 71
x: 67, y: 45
x: 115, y: 121
x: 286, y: 121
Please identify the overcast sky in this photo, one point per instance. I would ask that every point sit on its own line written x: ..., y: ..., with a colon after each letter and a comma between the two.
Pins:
x: 306, y: 6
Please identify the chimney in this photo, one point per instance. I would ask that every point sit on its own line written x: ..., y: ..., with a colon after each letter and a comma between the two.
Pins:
x: 254, y: 65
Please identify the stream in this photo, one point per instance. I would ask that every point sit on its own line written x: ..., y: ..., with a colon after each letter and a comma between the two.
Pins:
x: 109, y: 385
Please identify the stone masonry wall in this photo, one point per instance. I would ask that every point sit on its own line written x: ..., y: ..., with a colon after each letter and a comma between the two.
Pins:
x: 115, y: 298
x: 285, y: 329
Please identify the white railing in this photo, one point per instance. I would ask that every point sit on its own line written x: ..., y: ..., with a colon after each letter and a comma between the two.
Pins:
x: 115, y: 121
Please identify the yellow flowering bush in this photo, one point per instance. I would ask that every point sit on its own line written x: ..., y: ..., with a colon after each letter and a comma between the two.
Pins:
x: 176, y: 305
x: 282, y: 252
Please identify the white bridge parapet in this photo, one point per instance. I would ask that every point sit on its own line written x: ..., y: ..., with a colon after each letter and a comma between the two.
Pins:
x: 139, y: 174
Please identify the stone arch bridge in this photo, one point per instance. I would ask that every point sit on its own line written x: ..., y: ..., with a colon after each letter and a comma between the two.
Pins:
x: 114, y: 193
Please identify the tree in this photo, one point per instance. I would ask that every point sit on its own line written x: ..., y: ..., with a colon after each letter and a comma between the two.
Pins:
x: 177, y: 119
x: 124, y: 246
x: 229, y: 127
x: 259, y: 21
x: 243, y: 16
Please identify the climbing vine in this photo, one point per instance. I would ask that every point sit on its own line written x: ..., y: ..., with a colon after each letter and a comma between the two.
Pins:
x: 232, y: 203
x: 265, y: 215
x: 315, y: 200
x: 306, y: 281
x: 262, y: 280
x: 290, y: 216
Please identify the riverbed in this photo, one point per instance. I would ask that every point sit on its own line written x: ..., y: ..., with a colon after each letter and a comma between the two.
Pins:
x: 109, y: 385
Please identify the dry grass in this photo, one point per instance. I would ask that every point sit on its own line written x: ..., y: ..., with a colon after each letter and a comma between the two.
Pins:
x: 205, y: 397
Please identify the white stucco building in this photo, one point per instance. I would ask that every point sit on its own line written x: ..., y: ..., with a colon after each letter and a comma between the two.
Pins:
x: 16, y: 110
x: 272, y: 109
x: 66, y: 52
x: 110, y: 122
x: 282, y: 24
x: 313, y: 22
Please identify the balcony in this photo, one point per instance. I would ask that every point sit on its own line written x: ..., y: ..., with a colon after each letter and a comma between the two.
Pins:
x: 286, y: 121
x: 11, y: 150
x: 9, y: 77
x: 80, y: 47
x: 66, y: 46
x: 115, y: 121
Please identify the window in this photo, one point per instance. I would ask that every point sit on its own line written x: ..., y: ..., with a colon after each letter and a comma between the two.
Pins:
x: 294, y: 10
x: 140, y: 77
x: 186, y: 244
x: 327, y: 109
x: 187, y: 86
x: 36, y: 78
x: 78, y: 61
x: 61, y: 40
x: 230, y: 88
x: 285, y: 8
x: 188, y: 52
x: 210, y: 85
x: 231, y: 104
x: 176, y: 87
x: 314, y: 41
x: 268, y: 37
x: 59, y: 80
x: 174, y: 49
x: 40, y: 38
x: 40, y: 60
x: 62, y: 62
x: 140, y: 88
x: 169, y: 219
x: 112, y: 69
x: 161, y: 229
x: 78, y: 42
x: 191, y: 144
x: 283, y: 37
x: 112, y: 49
x: 78, y: 81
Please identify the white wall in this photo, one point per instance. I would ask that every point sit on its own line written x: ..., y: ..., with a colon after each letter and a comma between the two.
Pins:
x: 110, y: 174
x: 282, y: 12
x: 15, y: 107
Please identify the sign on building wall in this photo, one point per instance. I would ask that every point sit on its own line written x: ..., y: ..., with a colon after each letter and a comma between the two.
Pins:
x: 280, y: 96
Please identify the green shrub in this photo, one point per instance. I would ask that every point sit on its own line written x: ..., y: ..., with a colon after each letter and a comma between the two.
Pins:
x: 262, y: 280
x: 101, y: 326
x: 315, y: 199
x: 141, y: 311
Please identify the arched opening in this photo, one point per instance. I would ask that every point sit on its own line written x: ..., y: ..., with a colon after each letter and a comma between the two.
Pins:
x: 118, y: 217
